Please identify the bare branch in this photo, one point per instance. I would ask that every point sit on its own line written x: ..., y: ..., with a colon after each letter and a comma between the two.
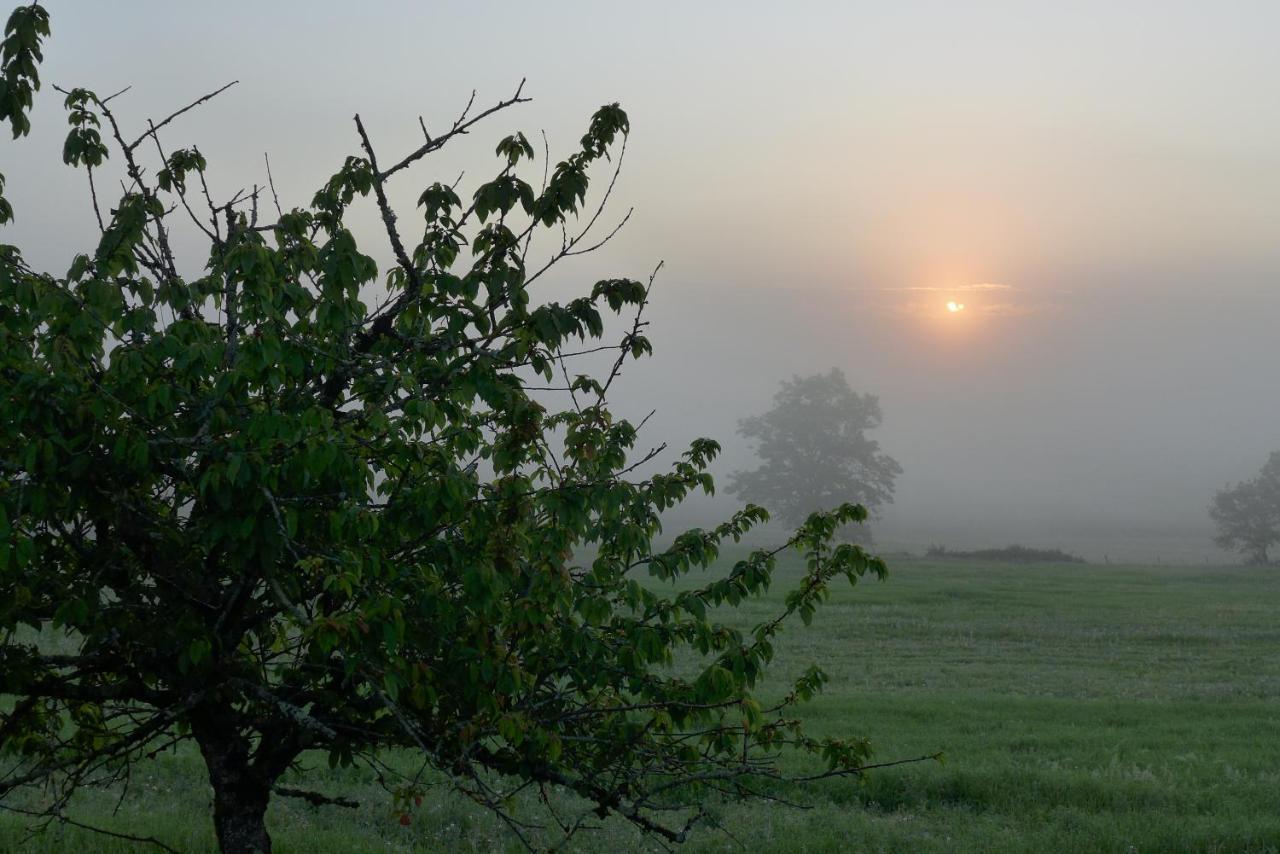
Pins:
x: 459, y: 127
x: 388, y: 215
x: 155, y: 127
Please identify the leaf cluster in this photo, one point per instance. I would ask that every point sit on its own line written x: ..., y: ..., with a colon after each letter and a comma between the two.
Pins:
x: 20, y: 57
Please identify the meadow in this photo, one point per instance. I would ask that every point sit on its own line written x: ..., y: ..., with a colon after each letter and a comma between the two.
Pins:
x: 1080, y: 708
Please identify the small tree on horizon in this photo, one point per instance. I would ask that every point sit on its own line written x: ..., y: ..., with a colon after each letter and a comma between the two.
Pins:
x: 1248, y: 514
x: 296, y: 504
x: 813, y: 445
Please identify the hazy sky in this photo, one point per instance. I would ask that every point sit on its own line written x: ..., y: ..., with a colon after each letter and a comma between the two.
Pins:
x: 821, y: 178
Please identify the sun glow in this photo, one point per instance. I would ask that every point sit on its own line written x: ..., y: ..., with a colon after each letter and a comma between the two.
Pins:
x: 954, y: 306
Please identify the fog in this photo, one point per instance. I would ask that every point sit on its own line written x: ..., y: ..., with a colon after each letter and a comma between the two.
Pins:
x: 1099, y: 186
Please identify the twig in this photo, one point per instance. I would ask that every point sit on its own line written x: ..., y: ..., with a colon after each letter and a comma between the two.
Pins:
x: 271, y: 182
x: 59, y: 817
x: 116, y: 94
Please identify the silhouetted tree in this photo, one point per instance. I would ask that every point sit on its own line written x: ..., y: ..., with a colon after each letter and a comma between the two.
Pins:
x: 1248, y: 514
x: 814, y: 449
x: 289, y: 505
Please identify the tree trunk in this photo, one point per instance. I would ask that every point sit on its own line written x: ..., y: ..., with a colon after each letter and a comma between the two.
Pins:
x: 239, y: 817
x: 241, y: 789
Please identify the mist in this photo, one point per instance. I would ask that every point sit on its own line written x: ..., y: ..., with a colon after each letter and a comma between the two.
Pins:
x: 1098, y: 186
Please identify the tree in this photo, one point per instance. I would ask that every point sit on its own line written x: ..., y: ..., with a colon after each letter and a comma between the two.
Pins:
x: 291, y: 505
x: 1248, y: 514
x: 813, y: 447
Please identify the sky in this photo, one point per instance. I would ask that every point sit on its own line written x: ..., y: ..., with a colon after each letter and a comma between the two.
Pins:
x: 1097, y: 183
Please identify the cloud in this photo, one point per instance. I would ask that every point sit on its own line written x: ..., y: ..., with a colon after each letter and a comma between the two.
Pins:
x: 979, y: 286
x: 917, y: 308
x: 1010, y: 309
x: 992, y: 300
x: 986, y: 299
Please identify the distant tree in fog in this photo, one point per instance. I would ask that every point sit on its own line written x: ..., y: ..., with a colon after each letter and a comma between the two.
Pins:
x: 813, y: 448
x: 1248, y: 514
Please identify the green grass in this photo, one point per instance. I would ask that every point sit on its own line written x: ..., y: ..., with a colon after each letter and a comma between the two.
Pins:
x: 1081, y: 708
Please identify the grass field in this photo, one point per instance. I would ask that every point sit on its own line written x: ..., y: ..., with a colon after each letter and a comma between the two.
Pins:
x: 1081, y: 708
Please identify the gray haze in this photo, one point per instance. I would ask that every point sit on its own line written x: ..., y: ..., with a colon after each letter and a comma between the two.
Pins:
x: 1098, y: 184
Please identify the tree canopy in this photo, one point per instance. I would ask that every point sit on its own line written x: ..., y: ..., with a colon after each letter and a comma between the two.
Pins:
x: 301, y: 502
x: 1248, y: 514
x: 813, y: 448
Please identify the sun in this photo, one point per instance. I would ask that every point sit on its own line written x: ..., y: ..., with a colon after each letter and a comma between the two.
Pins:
x: 954, y: 306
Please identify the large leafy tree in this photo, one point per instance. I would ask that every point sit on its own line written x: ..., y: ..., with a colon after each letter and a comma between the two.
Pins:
x: 1247, y: 514
x: 814, y: 451
x: 294, y: 503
